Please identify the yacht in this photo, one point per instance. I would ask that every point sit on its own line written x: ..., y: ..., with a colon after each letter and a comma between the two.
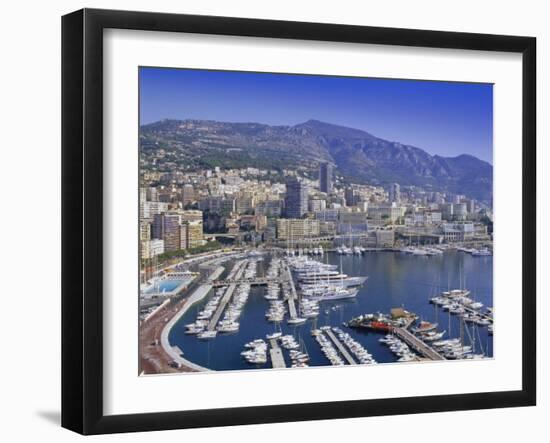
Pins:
x: 433, y: 336
x: 481, y: 252
x: 296, y: 321
x: 334, y: 294
x: 274, y: 335
x: 207, y: 335
x: 424, y: 326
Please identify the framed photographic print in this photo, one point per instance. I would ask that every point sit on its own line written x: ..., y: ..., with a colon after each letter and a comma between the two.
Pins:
x: 270, y: 221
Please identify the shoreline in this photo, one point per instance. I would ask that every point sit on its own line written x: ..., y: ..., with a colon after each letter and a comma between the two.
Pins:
x: 157, y: 355
x: 197, y: 296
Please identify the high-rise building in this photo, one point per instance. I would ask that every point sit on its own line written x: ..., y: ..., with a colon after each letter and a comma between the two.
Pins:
x: 460, y: 211
x: 296, y: 199
x: 325, y: 177
x: 167, y: 227
x: 351, y: 196
x: 270, y: 208
x: 349, y: 222
x: 152, y: 195
x: 447, y: 210
x: 219, y: 205
x: 151, y: 248
x: 148, y: 209
x: 190, y: 215
x: 144, y: 231
x: 245, y: 204
x: 187, y: 194
x: 183, y: 236
x: 384, y: 238
x: 297, y: 229
x: 390, y: 213
x: 395, y: 193
x: 317, y: 204
x: 194, y: 234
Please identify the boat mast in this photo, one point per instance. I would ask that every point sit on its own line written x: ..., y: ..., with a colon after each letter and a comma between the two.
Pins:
x: 461, y: 322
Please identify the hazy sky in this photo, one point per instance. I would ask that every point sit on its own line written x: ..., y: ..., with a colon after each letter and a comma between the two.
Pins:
x: 440, y: 117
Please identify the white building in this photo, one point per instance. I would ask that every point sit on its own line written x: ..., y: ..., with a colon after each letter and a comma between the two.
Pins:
x: 149, y: 209
x: 151, y: 248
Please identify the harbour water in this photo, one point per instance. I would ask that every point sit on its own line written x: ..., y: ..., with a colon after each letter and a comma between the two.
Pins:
x: 394, y: 280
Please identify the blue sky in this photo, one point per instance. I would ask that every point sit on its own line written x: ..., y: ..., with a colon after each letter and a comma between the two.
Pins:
x: 442, y: 118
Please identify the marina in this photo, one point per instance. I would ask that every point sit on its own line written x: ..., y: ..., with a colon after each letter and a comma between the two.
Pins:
x: 319, y: 323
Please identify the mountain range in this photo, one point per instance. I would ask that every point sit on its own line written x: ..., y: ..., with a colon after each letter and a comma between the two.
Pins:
x: 358, y: 156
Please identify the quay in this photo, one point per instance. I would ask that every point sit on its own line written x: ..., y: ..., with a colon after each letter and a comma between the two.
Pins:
x: 293, y: 296
x: 276, y: 354
x: 418, y: 345
x: 175, y: 353
x: 340, y: 346
x: 221, y: 306
x: 478, y: 313
x: 226, y: 297
x: 258, y: 281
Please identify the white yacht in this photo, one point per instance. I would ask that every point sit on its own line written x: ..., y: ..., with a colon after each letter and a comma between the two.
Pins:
x: 207, y: 335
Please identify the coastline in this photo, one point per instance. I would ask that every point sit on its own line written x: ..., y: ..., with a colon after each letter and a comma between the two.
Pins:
x: 197, y: 296
x: 157, y: 355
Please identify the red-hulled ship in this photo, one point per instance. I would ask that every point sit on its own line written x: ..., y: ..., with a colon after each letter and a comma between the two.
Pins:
x: 378, y: 326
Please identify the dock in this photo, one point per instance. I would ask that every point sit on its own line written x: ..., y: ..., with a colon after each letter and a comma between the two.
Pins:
x: 418, y: 345
x: 478, y: 313
x: 226, y: 297
x: 258, y: 281
x: 276, y: 354
x: 293, y: 296
x: 221, y: 307
x: 341, y: 348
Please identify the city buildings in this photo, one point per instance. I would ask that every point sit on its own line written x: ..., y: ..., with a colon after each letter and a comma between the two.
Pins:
x: 248, y: 203
x: 317, y: 204
x: 269, y: 208
x: 352, y: 221
x: 385, y: 238
x: 386, y: 213
x: 220, y: 205
x: 187, y: 194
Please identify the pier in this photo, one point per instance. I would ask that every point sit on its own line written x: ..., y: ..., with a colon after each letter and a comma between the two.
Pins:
x: 341, y: 348
x: 221, y: 307
x: 226, y: 297
x: 175, y: 354
x: 293, y: 296
x: 418, y: 345
x: 276, y: 354
x: 258, y: 281
x: 478, y: 313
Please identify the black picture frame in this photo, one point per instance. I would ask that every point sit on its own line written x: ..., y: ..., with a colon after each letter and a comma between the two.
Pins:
x: 82, y: 218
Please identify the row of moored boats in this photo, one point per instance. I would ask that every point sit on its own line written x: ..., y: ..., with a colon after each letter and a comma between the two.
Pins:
x: 362, y: 355
x: 458, y: 302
